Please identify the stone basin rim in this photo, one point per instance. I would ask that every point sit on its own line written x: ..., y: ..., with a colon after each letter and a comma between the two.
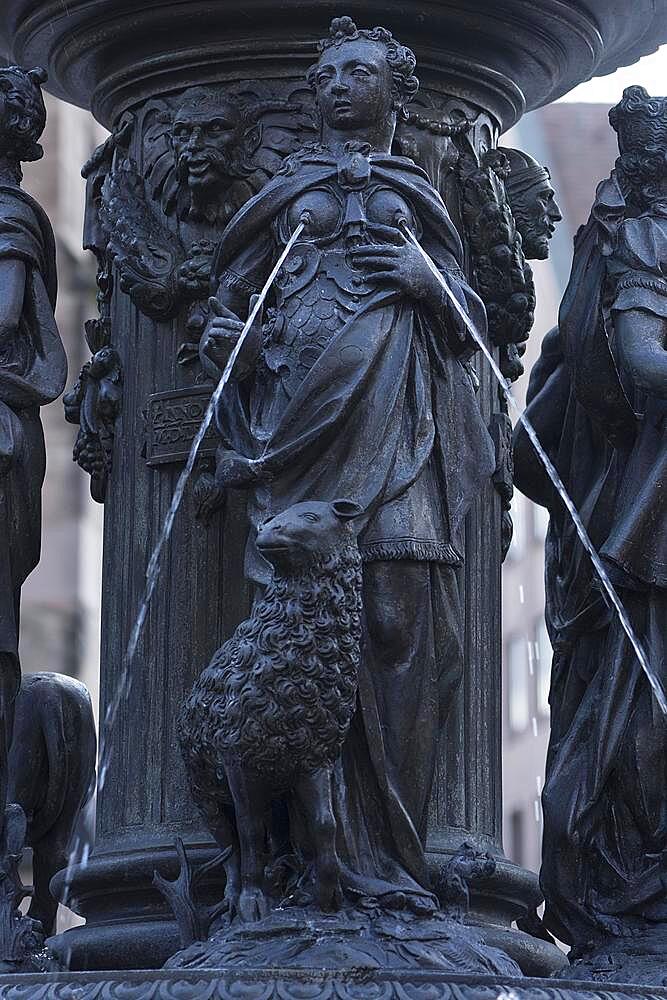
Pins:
x: 109, y: 54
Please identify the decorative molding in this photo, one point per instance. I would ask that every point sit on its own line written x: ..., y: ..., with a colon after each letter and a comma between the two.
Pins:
x: 506, y: 57
x: 503, y: 277
x: 279, y: 984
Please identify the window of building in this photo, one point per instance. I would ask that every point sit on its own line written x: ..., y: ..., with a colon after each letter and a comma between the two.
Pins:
x: 518, y: 544
x: 540, y: 522
x: 518, y: 685
x: 516, y: 847
x: 543, y: 657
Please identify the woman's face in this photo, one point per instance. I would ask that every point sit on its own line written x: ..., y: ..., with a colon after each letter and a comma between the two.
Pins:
x: 353, y: 84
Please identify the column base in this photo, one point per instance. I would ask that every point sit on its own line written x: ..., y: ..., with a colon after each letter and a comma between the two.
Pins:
x: 500, y: 899
x: 128, y: 924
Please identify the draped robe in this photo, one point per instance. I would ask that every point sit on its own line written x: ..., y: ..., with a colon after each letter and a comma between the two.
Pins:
x: 386, y: 417
x: 605, y: 810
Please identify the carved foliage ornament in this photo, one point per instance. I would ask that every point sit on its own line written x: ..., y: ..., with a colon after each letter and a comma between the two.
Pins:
x: 510, y: 213
x: 156, y: 228
x: 502, y: 275
x: 94, y: 402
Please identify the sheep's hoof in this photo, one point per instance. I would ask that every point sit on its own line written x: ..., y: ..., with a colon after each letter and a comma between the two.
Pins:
x: 253, y: 905
x: 228, y: 908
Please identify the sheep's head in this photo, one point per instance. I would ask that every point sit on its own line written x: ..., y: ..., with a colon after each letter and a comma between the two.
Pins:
x: 306, y: 531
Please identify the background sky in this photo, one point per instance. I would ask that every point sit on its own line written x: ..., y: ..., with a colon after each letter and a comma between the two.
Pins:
x: 649, y: 72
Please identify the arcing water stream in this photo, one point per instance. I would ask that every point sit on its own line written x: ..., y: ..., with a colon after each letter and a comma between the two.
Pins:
x: 552, y: 472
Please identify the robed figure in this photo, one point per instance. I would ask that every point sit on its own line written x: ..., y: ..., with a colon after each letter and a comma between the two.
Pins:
x: 598, y: 399
x: 33, y: 367
x: 356, y: 387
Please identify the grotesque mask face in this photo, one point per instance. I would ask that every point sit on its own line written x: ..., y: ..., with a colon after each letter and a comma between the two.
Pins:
x: 536, y: 213
x: 205, y: 142
x: 353, y: 85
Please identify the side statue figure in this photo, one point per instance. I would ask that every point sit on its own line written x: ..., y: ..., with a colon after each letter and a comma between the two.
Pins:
x: 598, y: 399
x: 47, y: 732
x: 33, y: 368
x: 351, y: 392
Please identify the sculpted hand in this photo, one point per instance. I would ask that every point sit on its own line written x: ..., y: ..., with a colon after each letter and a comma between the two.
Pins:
x: 234, y: 470
x: 398, y: 266
x: 221, y: 333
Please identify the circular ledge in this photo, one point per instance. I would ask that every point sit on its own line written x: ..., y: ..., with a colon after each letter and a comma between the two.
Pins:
x: 506, y: 56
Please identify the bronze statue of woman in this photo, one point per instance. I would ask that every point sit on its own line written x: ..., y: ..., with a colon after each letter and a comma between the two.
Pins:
x: 355, y: 388
x: 33, y: 368
x: 598, y: 399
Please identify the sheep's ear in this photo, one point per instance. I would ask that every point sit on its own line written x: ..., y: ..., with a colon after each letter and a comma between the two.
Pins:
x: 345, y: 510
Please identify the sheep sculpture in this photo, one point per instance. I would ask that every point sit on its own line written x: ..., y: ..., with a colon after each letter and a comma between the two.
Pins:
x: 270, y: 713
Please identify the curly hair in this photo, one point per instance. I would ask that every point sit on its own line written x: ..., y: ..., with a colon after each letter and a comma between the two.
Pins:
x: 400, y: 58
x: 25, y: 113
x: 641, y: 124
x: 278, y: 697
x: 640, y: 174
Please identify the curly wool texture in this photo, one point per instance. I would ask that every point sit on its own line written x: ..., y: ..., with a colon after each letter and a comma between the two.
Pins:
x: 278, y: 697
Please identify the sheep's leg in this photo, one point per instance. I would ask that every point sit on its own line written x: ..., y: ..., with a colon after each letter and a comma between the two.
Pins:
x: 314, y: 793
x: 251, y: 801
x: 226, y: 837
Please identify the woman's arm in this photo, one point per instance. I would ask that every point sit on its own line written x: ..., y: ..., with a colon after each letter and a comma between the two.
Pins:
x: 234, y: 296
x: 12, y: 291
x: 641, y: 345
x: 546, y: 412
